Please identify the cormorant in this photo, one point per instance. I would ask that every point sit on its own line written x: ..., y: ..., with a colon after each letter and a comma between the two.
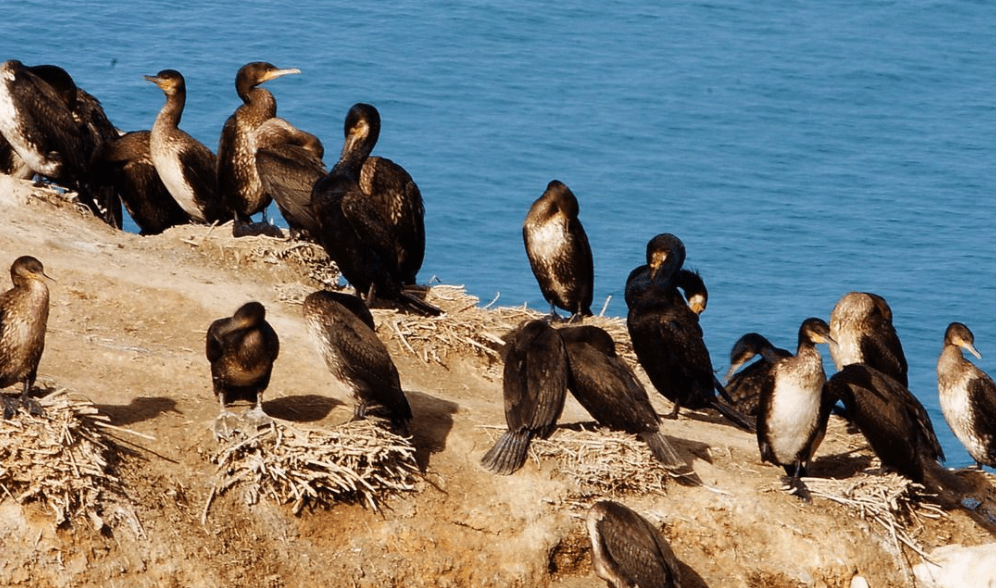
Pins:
x: 666, y: 334
x: 607, y: 388
x: 289, y: 163
x: 967, y: 396
x: 861, y: 324
x: 370, y: 216
x: 534, y: 380
x: 23, y: 320
x: 744, y: 387
x: 357, y: 359
x: 239, y: 183
x: 185, y: 165
x: 125, y: 164
x: 688, y: 281
x: 893, y: 421
x: 627, y: 551
x: 558, y: 251
x: 794, y: 407
x: 242, y: 349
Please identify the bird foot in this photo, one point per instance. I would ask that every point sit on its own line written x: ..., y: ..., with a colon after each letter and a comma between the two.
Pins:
x: 796, y: 486
x: 9, y: 407
x: 33, y: 407
x: 226, y: 424
x: 257, y: 419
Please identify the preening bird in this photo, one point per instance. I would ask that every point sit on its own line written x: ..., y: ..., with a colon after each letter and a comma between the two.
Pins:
x: 627, y: 551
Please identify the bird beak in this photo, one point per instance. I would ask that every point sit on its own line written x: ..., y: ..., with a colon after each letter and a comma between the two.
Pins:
x: 153, y: 79
x: 733, y: 369
x: 281, y: 72
x: 971, y: 349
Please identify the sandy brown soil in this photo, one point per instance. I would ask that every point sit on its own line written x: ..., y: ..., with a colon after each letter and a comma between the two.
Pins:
x: 127, y: 325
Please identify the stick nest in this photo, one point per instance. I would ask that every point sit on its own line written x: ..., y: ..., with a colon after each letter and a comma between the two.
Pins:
x: 602, y: 462
x: 358, y: 461
x: 466, y: 328
x: 58, y: 458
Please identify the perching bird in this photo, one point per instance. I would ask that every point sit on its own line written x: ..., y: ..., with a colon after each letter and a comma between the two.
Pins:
x: 242, y: 349
x: 666, y: 335
x: 627, y: 551
x: 289, y: 163
x: 370, y: 217
x: 534, y: 381
x: 744, y: 387
x: 609, y: 390
x: 558, y: 251
x: 23, y: 321
x: 239, y: 184
x: 185, y: 165
x: 861, y: 324
x: 890, y: 417
x: 967, y: 396
x: 794, y: 407
x: 357, y: 359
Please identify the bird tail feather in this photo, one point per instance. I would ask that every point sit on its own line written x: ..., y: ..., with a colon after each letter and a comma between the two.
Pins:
x: 509, y: 452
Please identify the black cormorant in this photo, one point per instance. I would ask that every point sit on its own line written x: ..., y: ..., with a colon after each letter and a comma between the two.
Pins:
x: 357, y: 359
x: 893, y: 421
x: 627, y: 551
x: 185, y: 165
x: 23, y: 320
x: 558, y: 251
x: 666, y: 334
x: 607, y: 388
x: 795, y: 408
x: 289, y: 163
x: 239, y: 184
x: 534, y: 380
x: 125, y: 164
x: 861, y: 324
x: 744, y: 387
x: 967, y: 396
x: 242, y: 349
x: 370, y: 216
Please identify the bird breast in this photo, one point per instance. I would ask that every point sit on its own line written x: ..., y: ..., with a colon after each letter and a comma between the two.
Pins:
x: 794, y: 409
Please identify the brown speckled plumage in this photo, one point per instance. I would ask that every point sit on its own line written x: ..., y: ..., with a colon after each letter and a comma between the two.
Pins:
x: 23, y: 320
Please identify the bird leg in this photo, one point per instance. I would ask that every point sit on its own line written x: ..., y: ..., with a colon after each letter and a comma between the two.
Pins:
x: 9, y: 407
x: 34, y: 409
x: 256, y: 417
x: 225, y: 422
x: 674, y: 411
x: 795, y: 483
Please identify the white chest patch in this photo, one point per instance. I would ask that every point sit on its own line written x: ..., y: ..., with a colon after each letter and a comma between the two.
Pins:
x: 957, y: 408
x: 171, y: 173
x: 794, y: 409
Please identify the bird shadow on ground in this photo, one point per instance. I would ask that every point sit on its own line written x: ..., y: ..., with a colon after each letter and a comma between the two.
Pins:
x: 139, y: 409
x: 301, y: 408
x: 840, y: 465
x: 431, y: 424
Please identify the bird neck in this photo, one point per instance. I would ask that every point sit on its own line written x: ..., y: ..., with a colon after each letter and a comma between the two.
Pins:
x: 172, y: 110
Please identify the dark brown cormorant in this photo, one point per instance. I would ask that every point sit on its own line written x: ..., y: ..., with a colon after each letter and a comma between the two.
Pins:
x: 125, y: 164
x: 744, y: 387
x: 242, y: 349
x: 861, y: 324
x: 558, y: 251
x: 689, y: 282
x: 627, y: 551
x: 370, y: 216
x: 893, y: 421
x: 535, y: 386
x: 795, y: 408
x: 607, y: 388
x: 239, y: 183
x: 23, y: 320
x: 185, y: 165
x: 289, y: 163
x: 666, y: 334
x: 358, y: 359
x: 967, y: 396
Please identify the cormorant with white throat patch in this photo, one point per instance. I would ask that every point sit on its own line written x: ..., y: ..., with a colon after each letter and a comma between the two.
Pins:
x: 967, y: 396
x: 861, y: 324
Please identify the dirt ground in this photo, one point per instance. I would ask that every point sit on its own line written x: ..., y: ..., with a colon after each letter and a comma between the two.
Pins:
x: 126, y: 330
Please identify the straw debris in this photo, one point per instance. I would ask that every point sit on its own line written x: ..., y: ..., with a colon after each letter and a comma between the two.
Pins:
x: 59, y: 458
x: 356, y: 461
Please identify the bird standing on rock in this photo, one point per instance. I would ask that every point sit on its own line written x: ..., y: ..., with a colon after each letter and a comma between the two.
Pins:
x: 967, y: 396
x: 23, y: 321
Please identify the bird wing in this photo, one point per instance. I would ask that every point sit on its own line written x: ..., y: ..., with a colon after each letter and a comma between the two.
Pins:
x: 289, y: 174
x: 636, y: 548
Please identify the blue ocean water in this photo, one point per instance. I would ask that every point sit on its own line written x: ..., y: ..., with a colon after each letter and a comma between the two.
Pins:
x: 801, y: 149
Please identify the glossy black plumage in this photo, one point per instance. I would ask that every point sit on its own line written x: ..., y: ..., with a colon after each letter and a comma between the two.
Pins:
x: 967, y: 395
x: 795, y: 407
x: 861, y: 324
x: 357, y: 358
x: 558, y: 251
x: 371, y: 219
x: 289, y: 163
x: 627, y: 551
x: 893, y: 421
x: 187, y: 168
x: 23, y: 322
x: 125, y: 165
x: 666, y: 335
x: 534, y: 382
x: 242, y: 349
x: 239, y: 184
x: 609, y: 390
x: 744, y: 386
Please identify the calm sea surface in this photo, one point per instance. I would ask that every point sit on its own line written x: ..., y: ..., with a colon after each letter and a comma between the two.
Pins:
x: 801, y: 149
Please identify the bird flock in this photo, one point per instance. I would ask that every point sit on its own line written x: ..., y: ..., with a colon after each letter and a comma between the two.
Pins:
x: 367, y: 213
